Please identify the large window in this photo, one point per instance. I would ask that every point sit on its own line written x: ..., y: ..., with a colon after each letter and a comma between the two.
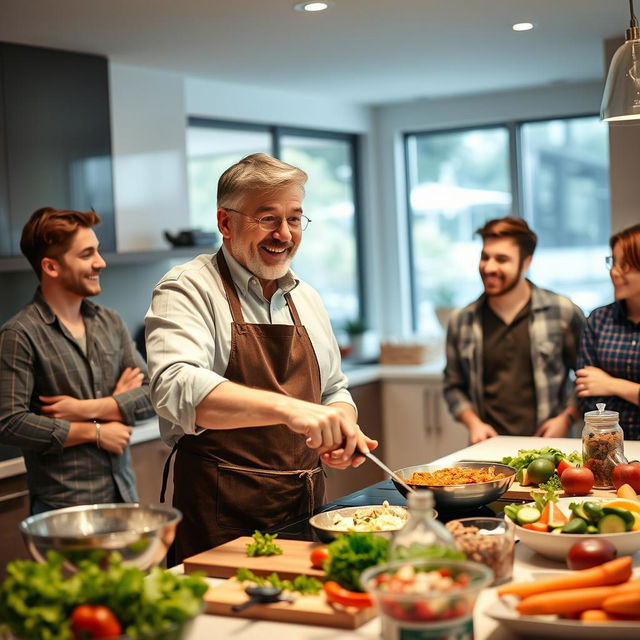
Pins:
x: 553, y: 173
x: 328, y: 258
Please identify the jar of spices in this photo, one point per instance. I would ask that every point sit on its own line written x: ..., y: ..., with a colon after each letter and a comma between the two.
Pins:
x: 602, y: 444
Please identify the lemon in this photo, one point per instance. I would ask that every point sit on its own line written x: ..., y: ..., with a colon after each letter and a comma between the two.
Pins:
x: 624, y: 503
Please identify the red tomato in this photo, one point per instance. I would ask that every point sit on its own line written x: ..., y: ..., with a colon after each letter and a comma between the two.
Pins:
x: 626, y: 474
x: 563, y: 465
x: 97, y: 621
x: 590, y: 553
x: 577, y: 481
x: 319, y: 556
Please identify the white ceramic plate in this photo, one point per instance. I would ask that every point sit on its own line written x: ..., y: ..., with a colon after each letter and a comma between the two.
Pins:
x: 556, y: 546
x: 552, y: 627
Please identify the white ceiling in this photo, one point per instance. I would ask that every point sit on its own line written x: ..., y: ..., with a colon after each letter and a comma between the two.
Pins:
x: 369, y: 51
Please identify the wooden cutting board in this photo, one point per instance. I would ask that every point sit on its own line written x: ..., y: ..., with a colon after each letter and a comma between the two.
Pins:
x: 223, y: 561
x: 517, y: 492
x: 313, y: 610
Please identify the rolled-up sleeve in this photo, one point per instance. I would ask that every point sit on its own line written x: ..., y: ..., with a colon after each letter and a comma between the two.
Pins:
x: 135, y: 405
x: 180, y: 339
x: 19, y: 425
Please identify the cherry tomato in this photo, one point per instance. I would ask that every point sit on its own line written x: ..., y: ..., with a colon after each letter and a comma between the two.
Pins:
x: 319, y: 556
x: 95, y: 622
x: 589, y: 553
x: 577, y: 481
x: 335, y: 593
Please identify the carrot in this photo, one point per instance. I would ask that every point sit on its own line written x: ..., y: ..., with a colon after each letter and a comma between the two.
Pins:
x: 564, y: 602
x: 613, y: 572
x: 626, y: 603
x: 595, y: 615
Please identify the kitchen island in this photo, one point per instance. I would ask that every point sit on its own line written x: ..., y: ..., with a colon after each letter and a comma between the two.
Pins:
x: 526, y: 561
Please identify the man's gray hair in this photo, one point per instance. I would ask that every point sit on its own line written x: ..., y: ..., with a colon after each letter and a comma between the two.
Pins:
x: 257, y: 172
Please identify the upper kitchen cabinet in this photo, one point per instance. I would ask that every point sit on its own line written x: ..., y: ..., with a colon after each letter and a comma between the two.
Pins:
x: 55, y: 138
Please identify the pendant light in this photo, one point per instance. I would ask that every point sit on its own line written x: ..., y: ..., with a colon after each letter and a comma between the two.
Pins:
x: 621, y: 99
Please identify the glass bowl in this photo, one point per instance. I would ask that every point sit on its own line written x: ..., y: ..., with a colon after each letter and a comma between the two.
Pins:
x: 438, y: 610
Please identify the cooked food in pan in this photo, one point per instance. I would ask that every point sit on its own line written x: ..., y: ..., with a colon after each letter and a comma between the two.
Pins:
x: 455, y: 475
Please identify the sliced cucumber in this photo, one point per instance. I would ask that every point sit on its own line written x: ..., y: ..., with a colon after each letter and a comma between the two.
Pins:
x: 577, y: 525
x: 578, y: 510
x: 593, y: 510
x: 527, y: 515
x: 592, y: 529
x: 612, y: 523
x: 626, y: 516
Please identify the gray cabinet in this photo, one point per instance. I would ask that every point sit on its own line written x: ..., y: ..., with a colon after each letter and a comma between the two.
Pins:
x: 55, y: 138
x: 14, y: 507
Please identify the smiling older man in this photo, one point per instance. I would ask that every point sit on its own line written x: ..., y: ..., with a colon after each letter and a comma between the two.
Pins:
x: 245, y: 369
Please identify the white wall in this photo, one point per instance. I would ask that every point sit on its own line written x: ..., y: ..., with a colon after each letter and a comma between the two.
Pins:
x: 226, y: 101
x: 149, y: 161
x: 391, y: 121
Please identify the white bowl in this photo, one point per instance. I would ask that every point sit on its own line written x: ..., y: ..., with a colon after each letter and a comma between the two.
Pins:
x: 322, y: 523
x: 556, y: 546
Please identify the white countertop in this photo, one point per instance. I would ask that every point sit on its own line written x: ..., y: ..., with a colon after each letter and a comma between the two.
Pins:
x: 485, y: 628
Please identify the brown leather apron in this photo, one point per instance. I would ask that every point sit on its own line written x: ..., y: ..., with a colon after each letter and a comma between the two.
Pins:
x: 230, y: 482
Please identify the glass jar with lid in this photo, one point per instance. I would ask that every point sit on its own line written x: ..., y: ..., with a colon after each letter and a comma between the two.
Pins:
x: 422, y: 530
x: 602, y: 444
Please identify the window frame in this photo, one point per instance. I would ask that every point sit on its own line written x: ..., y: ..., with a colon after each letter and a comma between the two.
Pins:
x: 515, y: 163
x: 276, y: 133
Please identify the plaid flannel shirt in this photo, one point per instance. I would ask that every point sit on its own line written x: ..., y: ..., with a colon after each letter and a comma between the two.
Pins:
x: 38, y: 356
x: 611, y: 342
x: 554, y: 329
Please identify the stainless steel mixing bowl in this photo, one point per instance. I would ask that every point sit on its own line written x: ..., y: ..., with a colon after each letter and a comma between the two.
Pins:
x: 461, y: 496
x: 141, y: 534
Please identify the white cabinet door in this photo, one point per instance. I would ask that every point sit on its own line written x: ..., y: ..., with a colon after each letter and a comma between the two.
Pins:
x: 417, y: 428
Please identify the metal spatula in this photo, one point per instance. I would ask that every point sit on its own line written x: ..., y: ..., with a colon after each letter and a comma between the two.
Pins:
x: 386, y: 469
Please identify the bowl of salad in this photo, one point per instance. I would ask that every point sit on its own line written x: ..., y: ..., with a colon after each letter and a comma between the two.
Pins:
x: 551, y: 527
x: 39, y: 600
x: 434, y: 594
x: 381, y: 519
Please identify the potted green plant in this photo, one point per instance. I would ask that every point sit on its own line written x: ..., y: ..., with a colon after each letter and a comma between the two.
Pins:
x: 356, y: 329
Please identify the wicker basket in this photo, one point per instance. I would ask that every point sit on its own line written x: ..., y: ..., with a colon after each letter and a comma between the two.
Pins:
x: 391, y: 353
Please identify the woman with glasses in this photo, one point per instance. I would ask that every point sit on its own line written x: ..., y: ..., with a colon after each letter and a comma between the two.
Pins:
x: 609, y: 359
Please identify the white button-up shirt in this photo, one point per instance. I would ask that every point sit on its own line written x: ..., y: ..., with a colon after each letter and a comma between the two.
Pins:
x: 188, y: 336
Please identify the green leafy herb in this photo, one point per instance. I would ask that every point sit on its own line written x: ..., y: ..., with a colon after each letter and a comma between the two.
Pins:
x: 305, y: 585
x: 526, y: 456
x: 36, y: 600
x: 263, y: 545
x: 350, y: 554
x: 552, y: 483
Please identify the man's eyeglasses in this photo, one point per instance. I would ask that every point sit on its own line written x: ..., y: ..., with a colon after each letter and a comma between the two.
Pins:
x: 610, y: 262
x: 271, y: 223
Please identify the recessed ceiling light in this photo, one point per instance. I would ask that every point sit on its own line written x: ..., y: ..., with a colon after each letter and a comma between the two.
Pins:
x: 311, y: 6
x: 522, y: 26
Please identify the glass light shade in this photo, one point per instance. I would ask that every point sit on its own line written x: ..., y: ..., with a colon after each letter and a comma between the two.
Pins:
x: 621, y: 99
